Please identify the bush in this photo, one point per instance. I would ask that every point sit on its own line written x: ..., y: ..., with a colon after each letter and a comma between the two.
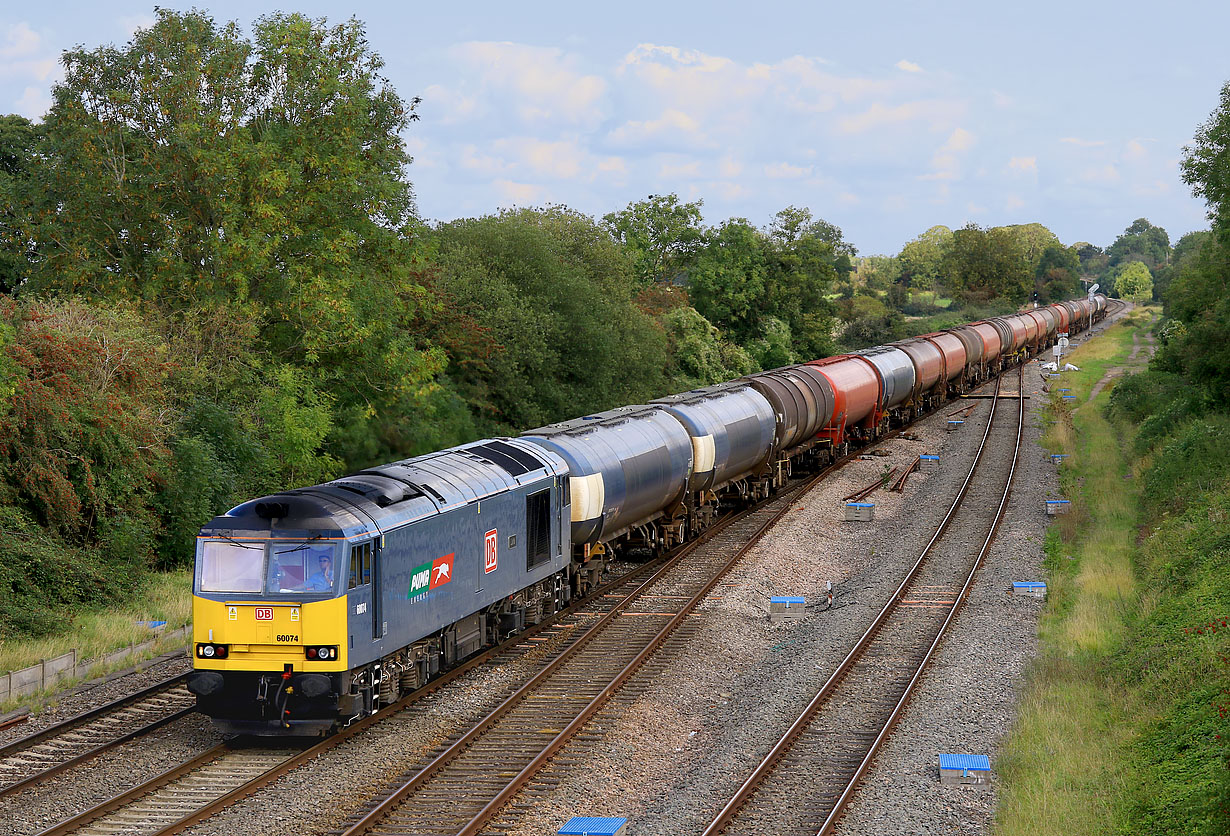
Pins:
x: 1189, y: 466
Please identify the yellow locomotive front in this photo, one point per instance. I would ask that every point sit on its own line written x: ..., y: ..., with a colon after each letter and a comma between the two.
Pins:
x: 270, y: 632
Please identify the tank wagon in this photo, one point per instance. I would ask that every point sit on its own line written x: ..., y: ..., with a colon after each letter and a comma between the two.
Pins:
x: 315, y: 606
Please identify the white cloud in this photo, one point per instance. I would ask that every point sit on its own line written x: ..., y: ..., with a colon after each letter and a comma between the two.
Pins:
x: 680, y: 171
x: 975, y: 209
x: 671, y: 122
x: 472, y: 159
x: 1001, y: 100
x: 1106, y: 174
x: 20, y: 41
x: 561, y: 160
x: 848, y: 199
x: 523, y: 194
x: 1083, y: 143
x: 908, y: 66
x: 543, y: 82
x: 34, y: 103
x: 131, y: 23
x: 1013, y: 202
x: 1028, y: 164
x: 23, y: 56
x: 936, y: 112
x: 786, y: 171
x: 730, y: 167
x: 1135, y: 151
x: 959, y: 140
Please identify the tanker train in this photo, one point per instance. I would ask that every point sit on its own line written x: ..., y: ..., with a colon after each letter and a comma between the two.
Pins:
x: 315, y: 606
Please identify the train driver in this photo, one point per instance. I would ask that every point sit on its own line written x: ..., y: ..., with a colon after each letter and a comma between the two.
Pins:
x: 322, y: 579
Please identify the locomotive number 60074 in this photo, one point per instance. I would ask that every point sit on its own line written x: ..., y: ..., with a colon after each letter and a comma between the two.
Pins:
x: 287, y: 637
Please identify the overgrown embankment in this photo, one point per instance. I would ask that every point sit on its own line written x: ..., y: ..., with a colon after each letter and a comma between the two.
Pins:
x: 1124, y: 726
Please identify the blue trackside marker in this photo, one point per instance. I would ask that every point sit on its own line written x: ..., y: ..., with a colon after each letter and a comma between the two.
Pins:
x: 594, y: 826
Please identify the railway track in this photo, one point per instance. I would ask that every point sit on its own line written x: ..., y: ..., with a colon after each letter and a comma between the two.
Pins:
x: 809, y: 775
x: 467, y: 785
x: 206, y: 784
x: 36, y: 757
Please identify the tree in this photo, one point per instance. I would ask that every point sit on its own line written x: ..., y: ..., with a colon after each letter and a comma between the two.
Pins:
x: 1206, y: 163
x: 1057, y: 276
x: 728, y: 279
x: 982, y: 264
x: 549, y: 297
x: 1134, y: 281
x: 193, y: 169
x: 18, y: 138
x: 1035, y: 239
x: 1141, y: 241
x: 921, y: 258
x: 662, y: 234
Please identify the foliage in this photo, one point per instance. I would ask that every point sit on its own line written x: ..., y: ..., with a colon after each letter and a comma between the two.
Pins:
x: 193, y: 169
x: 18, y: 140
x: 921, y: 260
x: 661, y: 233
x: 1206, y: 163
x: 1141, y: 241
x: 1134, y: 281
x: 551, y: 295
x: 983, y: 263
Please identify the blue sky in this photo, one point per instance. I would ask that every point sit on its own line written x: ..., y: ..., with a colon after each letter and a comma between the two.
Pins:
x: 884, y: 118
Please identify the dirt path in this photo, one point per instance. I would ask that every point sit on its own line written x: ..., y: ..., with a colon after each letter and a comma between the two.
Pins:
x: 1117, y: 371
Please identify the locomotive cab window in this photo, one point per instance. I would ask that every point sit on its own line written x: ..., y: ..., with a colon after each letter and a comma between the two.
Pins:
x: 537, y: 529
x: 302, y: 567
x: 231, y: 566
x: 360, y: 565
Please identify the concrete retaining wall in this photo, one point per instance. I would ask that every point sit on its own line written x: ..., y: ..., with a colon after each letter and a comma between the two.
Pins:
x: 49, y: 672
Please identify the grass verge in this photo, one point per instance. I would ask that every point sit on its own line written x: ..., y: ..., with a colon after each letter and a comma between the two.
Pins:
x: 1063, y: 768
x: 164, y: 597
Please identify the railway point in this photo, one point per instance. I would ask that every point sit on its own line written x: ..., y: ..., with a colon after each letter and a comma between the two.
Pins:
x: 860, y: 511
x: 594, y: 826
x: 958, y: 770
x: 786, y: 608
x: 1030, y: 589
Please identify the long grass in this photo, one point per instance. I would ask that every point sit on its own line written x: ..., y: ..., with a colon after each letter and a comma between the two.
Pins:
x: 1064, y: 769
x: 165, y: 597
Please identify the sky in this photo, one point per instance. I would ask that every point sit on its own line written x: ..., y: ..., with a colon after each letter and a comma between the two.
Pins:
x: 884, y: 118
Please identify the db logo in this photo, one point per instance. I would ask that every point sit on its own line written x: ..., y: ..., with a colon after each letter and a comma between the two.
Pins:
x: 264, y: 613
x: 490, y: 557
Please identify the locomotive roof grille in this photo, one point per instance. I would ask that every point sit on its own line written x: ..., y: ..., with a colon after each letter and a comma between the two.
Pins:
x: 505, y: 456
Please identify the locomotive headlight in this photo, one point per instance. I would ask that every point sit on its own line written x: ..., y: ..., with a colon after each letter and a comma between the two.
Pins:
x: 208, y: 651
x: 324, y: 653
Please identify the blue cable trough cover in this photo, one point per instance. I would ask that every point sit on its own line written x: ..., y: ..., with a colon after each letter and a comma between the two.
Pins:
x: 974, y: 763
x: 786, y: 599
x: 929, y: 457
x: 860, y: 505
x: 593, y: 826
x: 1029, y: 585
x: 1059, y: 502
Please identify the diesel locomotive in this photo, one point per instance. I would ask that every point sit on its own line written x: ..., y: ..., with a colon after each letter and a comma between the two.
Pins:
x: 316, y: 606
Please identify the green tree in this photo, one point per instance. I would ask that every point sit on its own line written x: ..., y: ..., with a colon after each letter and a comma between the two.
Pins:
x: 1034, y: 239
x: 549, y: 297
x: 1057, y: 275
x: 194, y: 169
x: 981, y: 264
x: 1206, y: 163
x: 661, y: 232
x: 921, y: 259
x: 1141, y: 241
x: 18, y: 140
x: 729, y: 276
x: 1134, y: 281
